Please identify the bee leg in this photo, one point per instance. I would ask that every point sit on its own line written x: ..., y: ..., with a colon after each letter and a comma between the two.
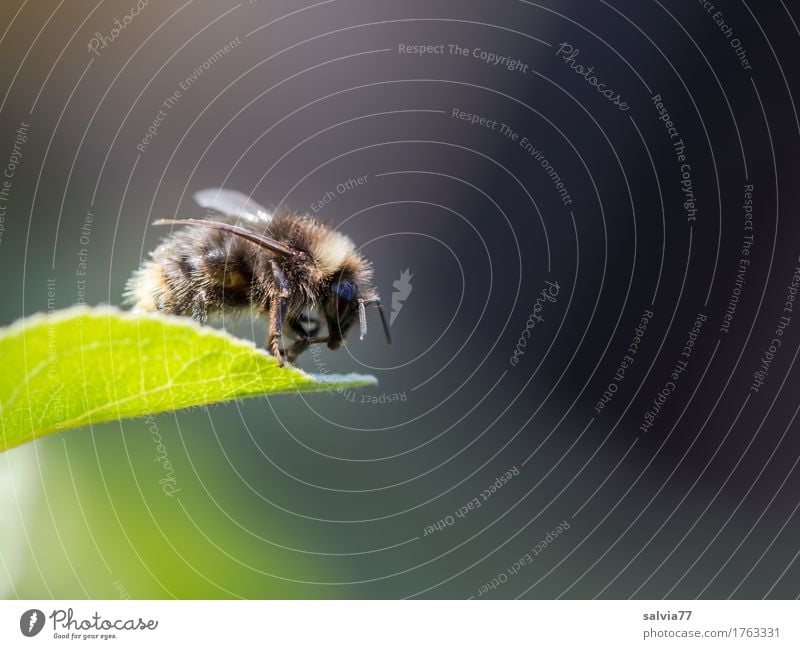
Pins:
x: 295, y: 350
x: 199, y: 308
x: 305, y: 337
x: 280, y: 279
x: 277, y: 313
x: 299, y: 329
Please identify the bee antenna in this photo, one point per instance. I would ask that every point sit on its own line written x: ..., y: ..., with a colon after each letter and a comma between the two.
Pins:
x: 260, y: 240
x: 377, y: 303
x: 362, y: 319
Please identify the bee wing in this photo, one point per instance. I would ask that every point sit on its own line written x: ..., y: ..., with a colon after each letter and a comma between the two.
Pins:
x: 234, y: 204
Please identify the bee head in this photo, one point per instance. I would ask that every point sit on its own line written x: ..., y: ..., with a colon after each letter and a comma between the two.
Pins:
x: 346, y: 304
x: 342, y: 309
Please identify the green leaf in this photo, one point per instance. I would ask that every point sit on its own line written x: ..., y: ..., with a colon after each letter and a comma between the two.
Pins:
x: 88, y: 365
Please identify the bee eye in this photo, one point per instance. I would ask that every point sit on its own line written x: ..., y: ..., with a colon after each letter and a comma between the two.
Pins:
x: 345, y: 291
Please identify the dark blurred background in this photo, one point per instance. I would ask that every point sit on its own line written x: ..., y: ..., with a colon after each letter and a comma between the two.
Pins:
x: 355, y: 495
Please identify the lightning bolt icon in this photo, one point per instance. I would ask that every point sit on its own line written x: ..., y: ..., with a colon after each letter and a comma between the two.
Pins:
x: 402, y: 291
x: 32, y: 620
